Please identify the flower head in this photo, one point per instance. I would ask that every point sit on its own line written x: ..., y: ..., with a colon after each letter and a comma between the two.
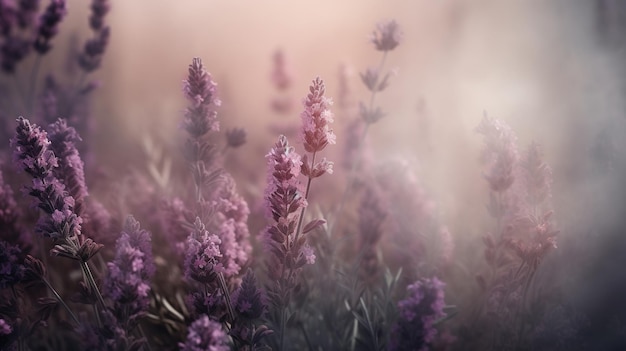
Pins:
x: 249, y: 300
x: 128, y: 280
x: 99, y: 9
x: 386, y: 36
x: 205, y: 334
x: 49, y: 25
x: 200, y: 90
x: 91, y: 57
x: 235, y: 137
x: 500, y: 153
x: 316, y: 133
x: 63, y: 140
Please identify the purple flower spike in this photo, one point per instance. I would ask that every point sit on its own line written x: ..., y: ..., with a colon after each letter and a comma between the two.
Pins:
x: 32, y: 153
x: 202, y: 261
x: 249, y: 300
x: 205, y: 334
x: 94, y: 49
x: 99, y: 9
x: 415, y: 328
x: 49, y: 25
x: 128, y: 280
x: 200, y: 90
x: 63, y: 143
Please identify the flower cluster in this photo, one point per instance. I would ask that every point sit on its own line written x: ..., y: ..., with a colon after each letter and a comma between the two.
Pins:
x: 200, y: 90
x: 418, y: 313
x: 93, y: 51
x: 49, y: 25
x: 386, y: 36
x: 202, y: 258
x: 205, y: 334
x: 129, y: 275
x: 284, y: 200
x: 500, y: 153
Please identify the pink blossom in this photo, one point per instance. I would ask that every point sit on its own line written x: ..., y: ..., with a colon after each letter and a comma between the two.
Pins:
x: 316, y: 133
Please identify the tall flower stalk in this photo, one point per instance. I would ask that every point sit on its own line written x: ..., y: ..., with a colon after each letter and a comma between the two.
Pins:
x: 286, y: 203
x: 385, y: 38
x: 34, y: 155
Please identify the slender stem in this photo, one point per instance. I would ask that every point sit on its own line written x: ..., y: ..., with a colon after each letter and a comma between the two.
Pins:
x: 357, y: 163
x: 229, y: 305
x: 20, y: 339
x: 306, y: 197
x: 92, y: 282
x: 143, y: 335
x: 283, y: 316
x: 58, y: 297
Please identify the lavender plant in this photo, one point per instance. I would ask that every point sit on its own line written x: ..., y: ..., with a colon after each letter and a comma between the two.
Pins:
x: 78, y: 271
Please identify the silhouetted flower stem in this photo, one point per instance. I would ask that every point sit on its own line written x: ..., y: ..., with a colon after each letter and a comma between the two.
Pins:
x: 60, y: 299
x: 92, y: 282
x: 20, y: 339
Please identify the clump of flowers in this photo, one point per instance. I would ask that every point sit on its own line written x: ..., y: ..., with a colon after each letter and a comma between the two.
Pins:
x: 418, y: 315
x: 205, y: 334
x: 129, y: 275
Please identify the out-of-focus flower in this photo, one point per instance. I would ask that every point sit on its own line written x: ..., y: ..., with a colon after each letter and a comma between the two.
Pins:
x: 372, y: 81
x: 537, y: 175
x: 200, y: 90
x: 386, y: 36
x: 235, y: 137
x: 91, y: 57
x: 415, y: 328
x: 500, y: 153
x: 281, y: 76
x: 5, y: 328
x: 205, y: 334
x: 129, y: 275
x: 27, y: 12
x: 13, y: 50
x: 9, y: 216
x: 232, y: 212
x: 370, y: 115
x: 49, y: 25
x: 11, y: 271
x: 202, y: 259
x: 99, y: 9
x: 316, y: 132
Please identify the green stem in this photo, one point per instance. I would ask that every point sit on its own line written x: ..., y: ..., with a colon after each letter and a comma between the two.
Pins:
x: 229, y: 305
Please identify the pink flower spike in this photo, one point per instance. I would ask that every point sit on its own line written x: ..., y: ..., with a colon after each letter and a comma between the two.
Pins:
x: 316, y: 133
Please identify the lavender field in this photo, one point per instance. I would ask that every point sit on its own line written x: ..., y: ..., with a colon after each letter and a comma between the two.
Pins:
x: 334, y: 175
